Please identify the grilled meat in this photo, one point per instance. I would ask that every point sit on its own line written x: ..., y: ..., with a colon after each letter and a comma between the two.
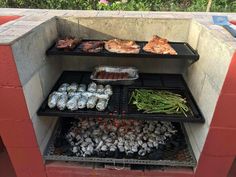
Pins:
x: 159, y: 45
x: 122, y: 46
x: 67, y: 43
x: 112, y: 75
x: 92, y: 46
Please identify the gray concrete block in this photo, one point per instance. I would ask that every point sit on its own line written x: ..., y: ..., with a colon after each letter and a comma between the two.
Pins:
x: 41, y: 127
x: 68, y: 26
x: 195, y: 77
x: 199, y: 133
x: 192, y: 141
x: 29, y: 52
x: 49, y: 73
x: 48, y: 135
x: 33, y: 94
x: 129, y: 28
x: 194, y: 32
x: 208, y: 99
x: 215, y: 58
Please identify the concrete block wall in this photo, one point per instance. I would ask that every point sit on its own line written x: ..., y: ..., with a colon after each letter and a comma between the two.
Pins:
x: 38, y: 74
x: 205, y: 78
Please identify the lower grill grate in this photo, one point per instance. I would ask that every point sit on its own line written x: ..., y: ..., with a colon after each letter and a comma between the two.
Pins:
x: 175, y: 152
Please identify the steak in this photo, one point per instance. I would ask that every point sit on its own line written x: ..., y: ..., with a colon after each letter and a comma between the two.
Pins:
x: 122, y: 46
x: 92, y: 46
x: 159, y: 45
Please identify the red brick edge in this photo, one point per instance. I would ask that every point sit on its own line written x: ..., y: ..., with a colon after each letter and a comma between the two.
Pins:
x: 5, y: 19
x: 219, y: 150
x: 16, y: 128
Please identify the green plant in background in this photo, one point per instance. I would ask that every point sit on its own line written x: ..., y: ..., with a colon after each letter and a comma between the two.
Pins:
x: 133, y: 5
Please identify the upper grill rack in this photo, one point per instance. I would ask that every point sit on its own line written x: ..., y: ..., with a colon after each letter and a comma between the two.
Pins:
x: 184, y: 50
x: 118, y: 105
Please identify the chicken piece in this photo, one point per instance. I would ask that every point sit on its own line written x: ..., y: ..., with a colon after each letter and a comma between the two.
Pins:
x: 159, y: 45
x: 122, y: 46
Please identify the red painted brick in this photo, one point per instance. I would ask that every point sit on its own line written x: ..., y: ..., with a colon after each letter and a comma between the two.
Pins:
x: 225, y: 112
x: 18, y: 133
x: 170, y: 172
x: 230, y: 81
x: 5, y: 19
x: 8, y: 70
x: 220, y: 142
x: 59, y: 169
x: 26, y: 159
x: 210, y: 166
x: 13, y: 105
x: 31, y: 173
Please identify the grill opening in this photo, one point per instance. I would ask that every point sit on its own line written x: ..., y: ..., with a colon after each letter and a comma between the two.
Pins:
x: 172, y: 150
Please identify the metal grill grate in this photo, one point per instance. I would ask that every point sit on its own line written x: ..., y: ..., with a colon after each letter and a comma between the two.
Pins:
x: 184, y: 50
x: 118, y: 106
x: 180, y: 155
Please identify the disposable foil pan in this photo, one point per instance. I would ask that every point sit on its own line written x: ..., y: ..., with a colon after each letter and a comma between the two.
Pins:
x: 132, y: 75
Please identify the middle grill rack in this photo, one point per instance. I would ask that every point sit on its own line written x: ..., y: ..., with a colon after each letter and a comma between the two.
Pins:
x: 119, y: 106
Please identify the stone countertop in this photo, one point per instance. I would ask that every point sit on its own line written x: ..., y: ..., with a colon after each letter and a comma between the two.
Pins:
x: 31, y: 18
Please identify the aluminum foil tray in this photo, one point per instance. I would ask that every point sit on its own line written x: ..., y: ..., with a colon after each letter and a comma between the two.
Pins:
x: 132, y: 75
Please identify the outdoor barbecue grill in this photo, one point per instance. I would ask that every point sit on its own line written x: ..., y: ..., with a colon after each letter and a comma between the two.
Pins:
x: 200, y: 78
x: 120, y: 109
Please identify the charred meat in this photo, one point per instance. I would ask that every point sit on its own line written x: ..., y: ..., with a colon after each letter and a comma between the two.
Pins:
x: 112, y: 75
x: 69, y: 43
x: 92, y: 46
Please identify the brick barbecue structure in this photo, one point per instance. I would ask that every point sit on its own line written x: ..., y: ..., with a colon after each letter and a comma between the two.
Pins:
x: 26, y: 76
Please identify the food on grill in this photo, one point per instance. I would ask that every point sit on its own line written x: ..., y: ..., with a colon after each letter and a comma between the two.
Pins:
x: 82, y: 102
x: 74, y: 96
x: 115, y: 75
x: 53, y: 98
x: 92, y: 46
x: 61, y: 103
x: 122, y: 46
x: 92, y: 87
x: 69, y: 43
x: 72, y: 104
x: 63, y: 87
x: 72, y: 87
x: 102, y: 104
x: 100, y: 89
x: 166, y: 102
x: 159, y: 45
x: 112, y: 75
x: 93, y: 137
x: 92, y: 101
x: 82, y: 88
x: 108, y: 90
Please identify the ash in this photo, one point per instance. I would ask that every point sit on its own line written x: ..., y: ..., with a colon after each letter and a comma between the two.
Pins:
x: 118, y: 138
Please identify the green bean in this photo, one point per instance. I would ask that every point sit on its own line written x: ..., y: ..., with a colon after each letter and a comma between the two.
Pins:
x: 166, y: 102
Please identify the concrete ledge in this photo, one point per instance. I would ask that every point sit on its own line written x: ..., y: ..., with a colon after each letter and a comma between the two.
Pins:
x: 35, y: 17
